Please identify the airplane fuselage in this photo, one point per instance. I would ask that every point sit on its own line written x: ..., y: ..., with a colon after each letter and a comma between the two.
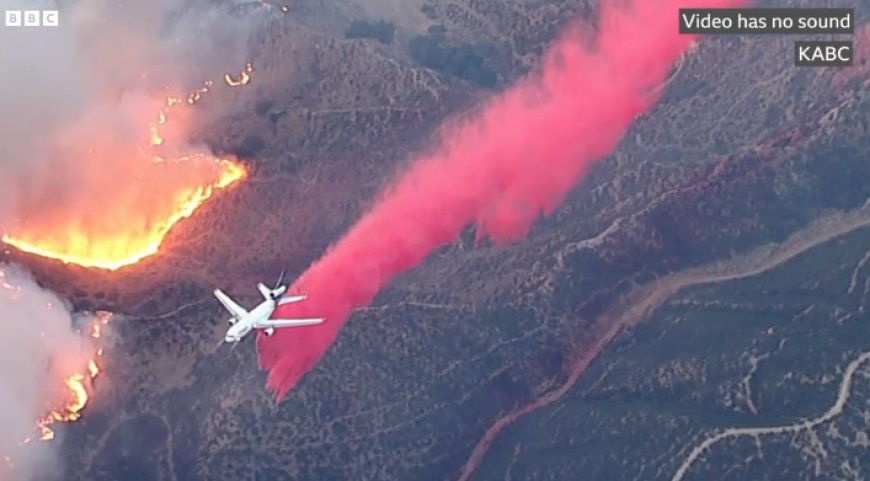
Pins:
x: 260, y: 317
x: 245, y: 325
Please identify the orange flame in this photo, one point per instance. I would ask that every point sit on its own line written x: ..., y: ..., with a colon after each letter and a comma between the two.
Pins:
x: 112, y: 246
x: 125, y: 247
x: 76, y: 390
x: 244, y: 77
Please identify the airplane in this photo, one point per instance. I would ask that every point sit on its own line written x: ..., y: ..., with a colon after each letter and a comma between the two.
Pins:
x: 242, y: 321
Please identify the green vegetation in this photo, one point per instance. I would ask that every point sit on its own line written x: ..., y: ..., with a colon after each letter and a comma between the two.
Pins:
x: 381, y: 31
x: 464, y: 61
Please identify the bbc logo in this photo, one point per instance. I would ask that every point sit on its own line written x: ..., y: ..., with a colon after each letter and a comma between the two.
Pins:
x: 31, y: 18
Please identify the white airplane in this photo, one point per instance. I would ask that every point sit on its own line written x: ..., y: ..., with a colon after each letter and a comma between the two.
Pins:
x: 259, y: 317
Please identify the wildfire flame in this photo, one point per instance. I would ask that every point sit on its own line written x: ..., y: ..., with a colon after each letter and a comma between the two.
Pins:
x: 83, y: 244
x: 76, y: 389
x: 124, y: 248
x: 244, y: 77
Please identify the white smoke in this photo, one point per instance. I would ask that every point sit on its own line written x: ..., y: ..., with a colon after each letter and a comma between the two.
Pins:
x: 41, y: 348
x: 77, y: 98
x: 75, y: 104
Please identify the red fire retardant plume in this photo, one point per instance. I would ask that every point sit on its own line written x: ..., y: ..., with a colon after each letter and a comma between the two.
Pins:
x: 514, y: 161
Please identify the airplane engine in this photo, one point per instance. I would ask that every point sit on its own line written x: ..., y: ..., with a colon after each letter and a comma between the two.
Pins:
x: 269, y: 332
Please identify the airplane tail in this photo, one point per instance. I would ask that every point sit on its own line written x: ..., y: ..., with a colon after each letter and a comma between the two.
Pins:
x: 264, y: 291
x: 291, y: 299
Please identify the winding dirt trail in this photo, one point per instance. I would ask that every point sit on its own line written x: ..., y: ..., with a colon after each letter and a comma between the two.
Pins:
x: 638, y: 304
x: 834, y: 411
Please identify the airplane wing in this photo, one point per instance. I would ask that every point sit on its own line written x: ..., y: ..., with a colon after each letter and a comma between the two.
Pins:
x: 279, y: 323
x: 236, y: 310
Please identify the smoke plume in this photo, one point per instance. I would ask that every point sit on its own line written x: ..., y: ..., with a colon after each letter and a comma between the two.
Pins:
x: 79, y: 166
x: 513, y: 162
x: 40, y: 350
x: 78, y: 101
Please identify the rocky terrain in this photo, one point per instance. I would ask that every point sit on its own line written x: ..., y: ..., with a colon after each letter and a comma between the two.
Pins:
x: 690, y: 313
